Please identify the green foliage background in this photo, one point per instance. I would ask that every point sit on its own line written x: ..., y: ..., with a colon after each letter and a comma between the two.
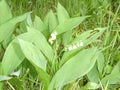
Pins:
x: 99, y: 29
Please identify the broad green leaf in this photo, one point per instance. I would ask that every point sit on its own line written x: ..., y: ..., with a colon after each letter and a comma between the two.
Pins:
x: 29, y: 20
x: 12, y: 58
x: 40, y: 41
x: 23, y: 25
x: 38, y: 24
x: 93, y: 72
x: 3, y: 78
x: 67, y: 37
x: 95, y: 36
x: 75, y: 68
x: 46, y: 20
x: 78, y: 39
x: 100, y: 62
x: 87, y: 38
x: 116, y: 68
x: 33, y: 54
x: 22, y: 28
x: 62, y: 13
x: 111, y: 78
x: 28, y: 28
x: 6, y: 29
x: 52, y: 21
x: 17, y: 73
x: 62, y: 16
x: 5, y: 13
x: 69, y: 24
x: 83, y: 36
x: 6, y: 41
x: 36, y: 71
x: 67, y: 55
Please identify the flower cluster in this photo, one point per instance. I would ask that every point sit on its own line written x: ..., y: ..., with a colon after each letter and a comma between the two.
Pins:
x: 72, y: 47
x: 53, y: 37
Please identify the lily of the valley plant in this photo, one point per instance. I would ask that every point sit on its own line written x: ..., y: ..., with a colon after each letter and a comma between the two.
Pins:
x: 48, y: 53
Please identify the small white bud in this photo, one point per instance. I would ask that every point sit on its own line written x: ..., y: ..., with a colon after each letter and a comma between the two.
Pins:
x: 51, y: 42
x: 74, y: 47
x: 53, y: 37
x: 70, y: 48
x: 78, y: 45
x: 55, y: 33
x: 81, y: 43
x: 52, y: 34
x: 65, y: 48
